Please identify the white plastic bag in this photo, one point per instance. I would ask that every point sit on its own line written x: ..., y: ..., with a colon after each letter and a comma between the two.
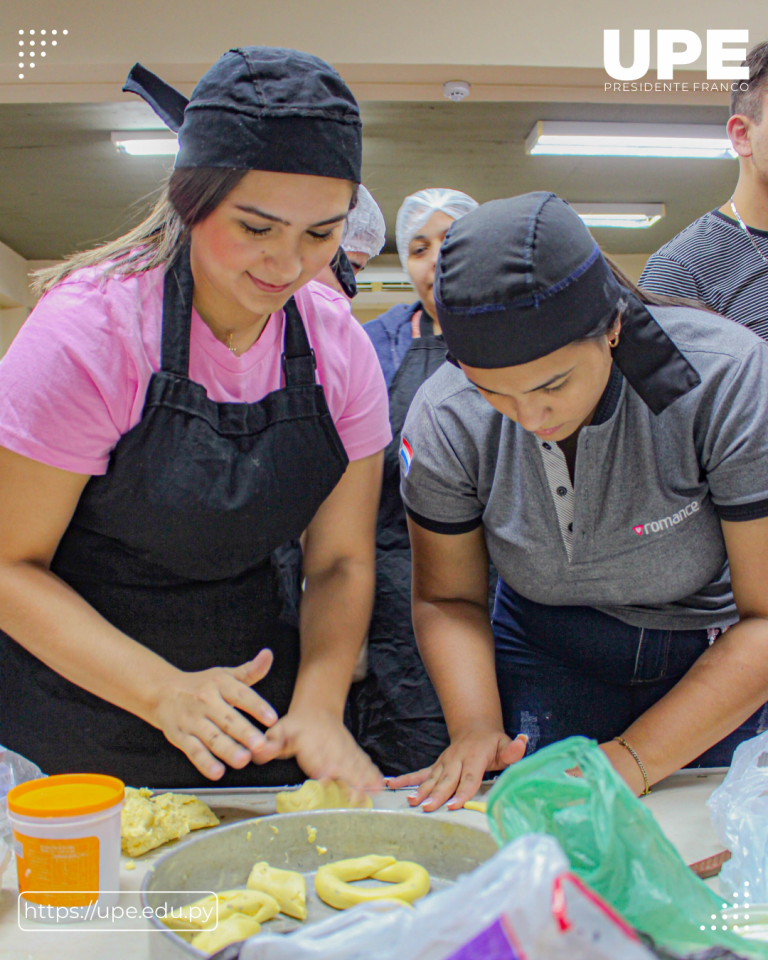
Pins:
x: 14, y: 769
x: 523, y: 902
x: 738, y: 809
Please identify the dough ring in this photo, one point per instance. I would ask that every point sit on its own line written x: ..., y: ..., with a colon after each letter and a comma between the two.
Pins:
x: 409, y: 881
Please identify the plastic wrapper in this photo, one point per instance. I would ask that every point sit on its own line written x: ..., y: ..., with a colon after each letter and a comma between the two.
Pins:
x: 14, y: 769
x: 738, y: 809
x: 417, y: 209
x: 522, y: 903
x: 570, y: 791
x: 365, y: 230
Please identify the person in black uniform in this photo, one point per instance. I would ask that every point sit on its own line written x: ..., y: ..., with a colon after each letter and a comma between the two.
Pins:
x: 394, y: 712
x: 135, y: 595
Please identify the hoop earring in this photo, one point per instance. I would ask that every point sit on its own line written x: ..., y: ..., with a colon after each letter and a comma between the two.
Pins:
x: 614, y: 342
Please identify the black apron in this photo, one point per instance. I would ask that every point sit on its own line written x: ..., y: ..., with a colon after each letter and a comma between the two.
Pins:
x: 181, y: 545
x: 394, y: 713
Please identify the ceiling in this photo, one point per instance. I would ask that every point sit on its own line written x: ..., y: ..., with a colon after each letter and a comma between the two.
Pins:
x: 64, y: 187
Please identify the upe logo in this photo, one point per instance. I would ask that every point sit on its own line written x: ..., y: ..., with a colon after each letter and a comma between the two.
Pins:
x: 656, y: 526
x: 667, y: 57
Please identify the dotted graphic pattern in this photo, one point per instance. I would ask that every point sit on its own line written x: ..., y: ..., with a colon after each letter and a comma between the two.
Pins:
x: 34, y: 45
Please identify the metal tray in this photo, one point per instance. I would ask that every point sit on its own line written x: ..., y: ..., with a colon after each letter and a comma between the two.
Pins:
x: 221, y: 859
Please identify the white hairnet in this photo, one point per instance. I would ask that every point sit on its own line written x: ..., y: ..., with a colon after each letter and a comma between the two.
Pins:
x: 419, y: 207
x: 365, y: 230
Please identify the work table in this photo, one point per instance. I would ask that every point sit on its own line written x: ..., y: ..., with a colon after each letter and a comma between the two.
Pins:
x: 678, y: 803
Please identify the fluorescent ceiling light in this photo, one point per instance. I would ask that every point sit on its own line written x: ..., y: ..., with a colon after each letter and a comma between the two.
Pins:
x: 146, y: 143
x: 577, y: 139
x: 629, y: 216
x: 383, y: 280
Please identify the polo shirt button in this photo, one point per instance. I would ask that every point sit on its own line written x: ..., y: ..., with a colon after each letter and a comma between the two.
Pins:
x: 561, y: 491
x: 546, y: 446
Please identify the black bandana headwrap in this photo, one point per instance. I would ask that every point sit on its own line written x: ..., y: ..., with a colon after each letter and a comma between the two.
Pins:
x: 518, y: 279
x: 263, y: 108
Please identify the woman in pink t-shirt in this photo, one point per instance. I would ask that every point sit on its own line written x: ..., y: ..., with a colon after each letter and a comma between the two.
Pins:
x: 179, y: 408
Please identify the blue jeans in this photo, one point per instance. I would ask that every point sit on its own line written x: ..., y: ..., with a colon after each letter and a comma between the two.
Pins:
x: 574, y: 670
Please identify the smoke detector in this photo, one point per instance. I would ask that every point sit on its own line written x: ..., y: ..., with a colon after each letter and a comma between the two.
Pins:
x: 456, y: 90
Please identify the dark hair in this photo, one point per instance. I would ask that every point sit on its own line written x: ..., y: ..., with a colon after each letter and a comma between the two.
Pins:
x: 749, y: 102
x: 644, y: 296
x: 187, y: 198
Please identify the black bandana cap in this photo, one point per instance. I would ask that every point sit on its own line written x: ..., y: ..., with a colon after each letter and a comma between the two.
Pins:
x: 520, y: 278
x: 262, y: 108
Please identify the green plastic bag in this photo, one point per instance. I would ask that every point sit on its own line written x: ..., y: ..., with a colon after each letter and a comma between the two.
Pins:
x: 570, y: 791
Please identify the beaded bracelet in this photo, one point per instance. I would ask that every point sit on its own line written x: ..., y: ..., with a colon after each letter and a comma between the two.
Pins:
x: 624, y: 743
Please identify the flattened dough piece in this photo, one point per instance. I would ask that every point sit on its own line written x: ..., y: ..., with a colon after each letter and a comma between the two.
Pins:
x: 479, y: 805
x: 319, y: 795
x: 232, y: 930
x: 286, y: 886
x: 195, y: 814
x: 147, y: 822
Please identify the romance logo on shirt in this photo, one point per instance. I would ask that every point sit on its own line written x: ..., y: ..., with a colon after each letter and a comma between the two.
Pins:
x: 656, y: 526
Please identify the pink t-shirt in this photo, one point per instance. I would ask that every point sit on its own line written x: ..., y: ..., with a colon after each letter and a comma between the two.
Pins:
x: 75, y: 378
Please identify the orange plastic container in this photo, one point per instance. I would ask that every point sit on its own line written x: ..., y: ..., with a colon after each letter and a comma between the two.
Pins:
x: 66, y: 832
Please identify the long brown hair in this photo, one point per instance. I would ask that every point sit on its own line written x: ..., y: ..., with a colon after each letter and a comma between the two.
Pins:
x: 187, y: 198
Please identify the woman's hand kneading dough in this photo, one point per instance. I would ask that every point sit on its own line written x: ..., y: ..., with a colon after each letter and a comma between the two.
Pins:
x: 200, y: 714
x: 323, y: 747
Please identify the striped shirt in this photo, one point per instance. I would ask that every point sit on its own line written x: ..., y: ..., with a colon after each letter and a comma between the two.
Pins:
x: 713, y: 261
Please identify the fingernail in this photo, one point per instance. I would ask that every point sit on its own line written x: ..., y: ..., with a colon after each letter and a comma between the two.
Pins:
x: 270, y: 716
x: 241, y: 755
x: 255, y: 741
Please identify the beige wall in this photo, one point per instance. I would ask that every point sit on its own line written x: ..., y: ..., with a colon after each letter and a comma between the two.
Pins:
x: 398, y: 49
x: 14, y: 295
x: 631, y: 263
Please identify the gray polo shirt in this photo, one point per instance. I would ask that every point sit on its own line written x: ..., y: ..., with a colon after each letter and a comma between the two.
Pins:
x: 638, y: 536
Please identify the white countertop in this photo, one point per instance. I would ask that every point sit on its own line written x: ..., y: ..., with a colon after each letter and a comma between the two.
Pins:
x: 678, y: 804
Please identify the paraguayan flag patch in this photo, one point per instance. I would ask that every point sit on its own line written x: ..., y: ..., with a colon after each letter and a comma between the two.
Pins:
x: 406, y: 455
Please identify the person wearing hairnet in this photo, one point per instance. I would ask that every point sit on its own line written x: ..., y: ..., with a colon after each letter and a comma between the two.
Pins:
x: 362, y: 238
x: 394, y: 712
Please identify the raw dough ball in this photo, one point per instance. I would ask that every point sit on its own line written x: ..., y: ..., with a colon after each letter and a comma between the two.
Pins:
x: 319, y: 795
x: 232, y: 930
x: 147, y: 822
x: 286, y: 886
x: 410, y: 881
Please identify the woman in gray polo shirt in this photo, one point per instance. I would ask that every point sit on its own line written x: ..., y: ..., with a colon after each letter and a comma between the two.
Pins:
x: 611, y: 456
